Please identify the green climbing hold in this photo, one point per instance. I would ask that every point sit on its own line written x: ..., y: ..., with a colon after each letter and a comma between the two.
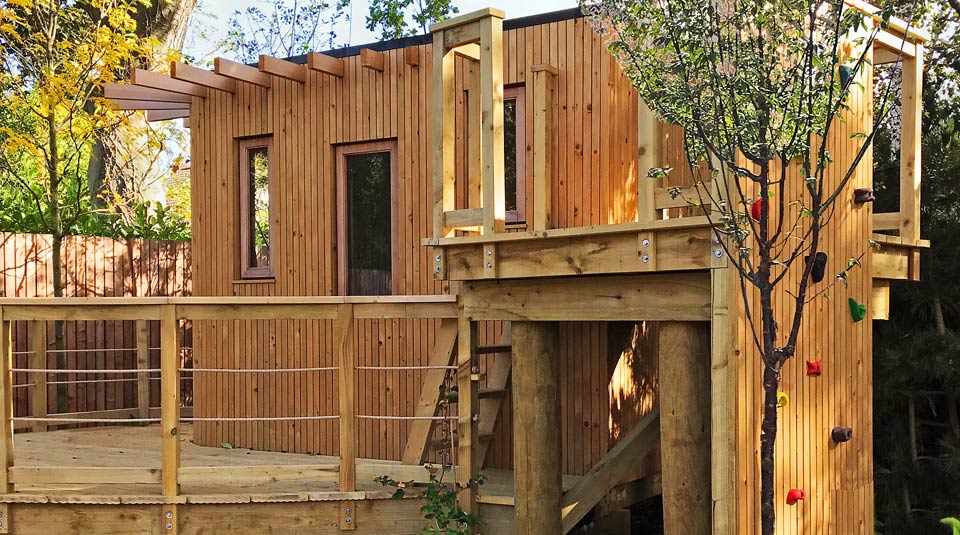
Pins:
x: 858, y: 311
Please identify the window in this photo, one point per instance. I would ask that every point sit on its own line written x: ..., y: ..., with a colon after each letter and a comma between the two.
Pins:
x: 256, y: 208
x: 514, y: 151
x: 365, y: 227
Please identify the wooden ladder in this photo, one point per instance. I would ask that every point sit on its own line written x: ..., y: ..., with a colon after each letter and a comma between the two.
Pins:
x: 492, y: 397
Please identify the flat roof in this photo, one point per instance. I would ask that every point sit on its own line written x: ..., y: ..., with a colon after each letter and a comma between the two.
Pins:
x: 423, y: 39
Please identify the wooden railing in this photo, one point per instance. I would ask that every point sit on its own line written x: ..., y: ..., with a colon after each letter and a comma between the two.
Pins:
x: 169, y: 312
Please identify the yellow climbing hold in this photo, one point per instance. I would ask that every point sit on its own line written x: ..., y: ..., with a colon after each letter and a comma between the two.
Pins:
x: 782, y: 399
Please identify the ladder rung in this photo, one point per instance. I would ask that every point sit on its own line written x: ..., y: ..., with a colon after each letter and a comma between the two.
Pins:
x: 492, y: 392
x: 486, y: 350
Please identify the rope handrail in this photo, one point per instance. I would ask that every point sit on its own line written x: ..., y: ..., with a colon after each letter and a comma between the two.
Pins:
x: 258, y: 418
x: 95, y: 350
x: 259, y: 370
x: 86, y: 420
x: 388, y: 417
x: 57, y: 370
x: 395, y: 368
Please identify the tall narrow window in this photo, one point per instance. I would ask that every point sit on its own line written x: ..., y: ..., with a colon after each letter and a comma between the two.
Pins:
x: 514, y: 150
x: 365, y: 218
x: 256, y: 207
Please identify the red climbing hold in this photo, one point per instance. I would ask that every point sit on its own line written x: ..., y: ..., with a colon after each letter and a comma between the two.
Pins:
x: 814, y: 368
x: 795, y: 495
x: 756, y: 207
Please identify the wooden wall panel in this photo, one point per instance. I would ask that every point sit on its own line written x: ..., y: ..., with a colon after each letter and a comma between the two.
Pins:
x: 596, y: 137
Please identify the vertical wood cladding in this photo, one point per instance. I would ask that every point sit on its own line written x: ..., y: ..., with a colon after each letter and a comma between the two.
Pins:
x: 594, y: 151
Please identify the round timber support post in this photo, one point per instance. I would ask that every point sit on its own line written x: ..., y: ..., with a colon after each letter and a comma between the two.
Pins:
x: 684, y: 354
x: 538, y: 453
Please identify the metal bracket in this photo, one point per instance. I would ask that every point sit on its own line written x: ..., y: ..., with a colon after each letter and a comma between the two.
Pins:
x: 168, y: 520
x: 439, y: 263
x: 348, y: 516
x: 647, y: 251
x: 488, y: 256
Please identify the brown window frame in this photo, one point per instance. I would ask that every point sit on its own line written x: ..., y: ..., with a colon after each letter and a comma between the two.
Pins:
x: 342, y: 152
x: 518, y: 93
x: 245, y: 145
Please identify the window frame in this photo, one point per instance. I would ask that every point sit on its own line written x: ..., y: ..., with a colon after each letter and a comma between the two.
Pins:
x: 343, y: 251
x: 248, y: 271
x: 518, y: 93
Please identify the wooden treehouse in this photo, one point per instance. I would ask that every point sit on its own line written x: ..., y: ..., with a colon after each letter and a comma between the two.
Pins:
x: 464, y: 208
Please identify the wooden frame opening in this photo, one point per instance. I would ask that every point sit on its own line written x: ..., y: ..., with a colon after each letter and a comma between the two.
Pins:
x: 257, y: 207
x: 514, y: 157
x: 366, y: 261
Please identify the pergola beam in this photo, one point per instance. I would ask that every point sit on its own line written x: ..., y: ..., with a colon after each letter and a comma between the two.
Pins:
x: 145, y: 78
x: 326, y: 64
x: 128, y: 105
x: 189, y: 73
x: 371, y: 59
x: 166, y: 115
x: 283, y: 69
x: 134, y: 92
x: 241, y: 72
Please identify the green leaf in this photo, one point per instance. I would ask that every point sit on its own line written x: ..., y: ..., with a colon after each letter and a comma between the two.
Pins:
x: 226, y: 445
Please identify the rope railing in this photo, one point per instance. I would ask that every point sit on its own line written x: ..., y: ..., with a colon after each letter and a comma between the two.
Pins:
x: 86, y: 371
x: 260, y: 370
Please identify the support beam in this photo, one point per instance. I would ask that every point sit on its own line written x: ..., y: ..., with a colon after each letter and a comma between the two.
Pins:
x: 606, y: 474
x: 143, y: 363
x: 911, y: 87
x: 538, y: 451
x: 189, y: 73
x: 371, y: 59
x: 442, y: 115
x: 241, y: 72
x: 724, y: 366
x: 326, y: 64
x: 134, y: 92
x: 134, y: 105
x: 543, y: 95
x: 166, y: 115
x: 684, y: 353
x: 155, y: 80
x: 345, y: 354
x: 468, y: 435
x: 283, y: 68
x: 443, y: 355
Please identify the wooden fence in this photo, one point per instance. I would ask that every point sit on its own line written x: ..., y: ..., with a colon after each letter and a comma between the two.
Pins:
x: 92, y: 267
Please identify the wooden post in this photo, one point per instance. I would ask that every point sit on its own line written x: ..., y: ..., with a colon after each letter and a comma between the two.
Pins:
x: 491, y: 126
x: 911, y: 87
x: 444, y: 172
x: 543, y: 82
x: 6, y: 403
x: 538, y: 451
x: 38, y: 361
x: 648, y: 156
x: 468, y: 412
x: 346, y: 370
x: 143, y: 363
x: 684, y: 356
x: 169, y: 401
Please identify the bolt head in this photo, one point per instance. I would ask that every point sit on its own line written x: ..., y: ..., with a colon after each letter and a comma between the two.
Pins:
x: 346, y: 510
x: 489, y: 265
x: 645, y: 258
x: 718, y: 253
x: 437, y: 258
x: 169, y: 525
x: 436, y: 269
x: 645, y: 242
x: 348, y: 520
x: 169, y: 514
x: 489, y: 252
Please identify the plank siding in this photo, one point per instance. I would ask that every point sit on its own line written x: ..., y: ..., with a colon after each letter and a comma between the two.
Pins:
x: 307, y: 121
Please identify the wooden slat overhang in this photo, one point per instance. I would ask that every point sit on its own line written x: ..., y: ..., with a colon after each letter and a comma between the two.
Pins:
x: 241, y: 72
x: 195, y: 75
x: 326, y: 64
x: 283, y: 68
x: 371, y: 59
x: 166, y: 115
x: 134, y: 92
x: 154, y: 80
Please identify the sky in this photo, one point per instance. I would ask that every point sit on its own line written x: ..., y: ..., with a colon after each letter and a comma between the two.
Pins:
x: 214, y: 14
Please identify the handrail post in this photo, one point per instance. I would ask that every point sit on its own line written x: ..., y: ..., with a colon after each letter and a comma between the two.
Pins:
x: 38, y: 361
x: 468, y: 403
x: 911, y: 89
x: 6, y: 403
x: 143, y: 363
x: 346, y: 370
x: 543, y: 82
x: 169, y: 401
x: 648, y: 157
